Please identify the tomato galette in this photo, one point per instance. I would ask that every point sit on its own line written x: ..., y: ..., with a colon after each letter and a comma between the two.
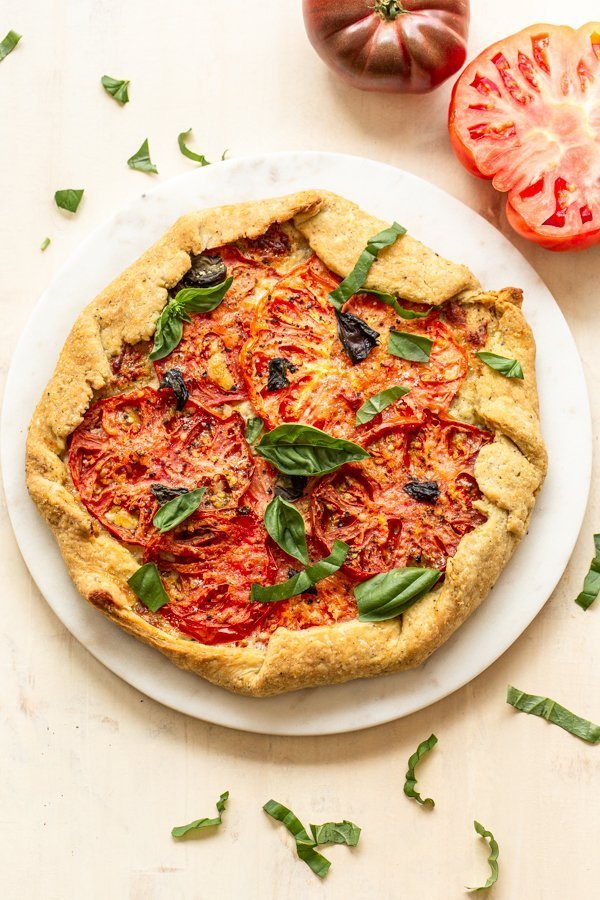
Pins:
x: 290, y: 445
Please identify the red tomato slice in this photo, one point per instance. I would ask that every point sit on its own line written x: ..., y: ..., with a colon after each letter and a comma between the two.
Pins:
x: 366, y: 504
x: 526, y: 114
x: 129, y: 442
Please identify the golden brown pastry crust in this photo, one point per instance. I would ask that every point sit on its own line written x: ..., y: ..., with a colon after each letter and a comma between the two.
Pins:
x: 509, y: 471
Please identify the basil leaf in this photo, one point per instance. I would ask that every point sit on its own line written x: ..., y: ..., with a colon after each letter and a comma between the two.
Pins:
x: 357, y: 277
x: 379, y: 402
x: 415, y: 347
x: 336, y: 833
x: 510, y: 368
x: 202, y: 299
x: 304, y: 844
x: 302, y: 581
x: 297, y: 449
x: 591, y: 584
x: 173, y: 380
x: 164, y: 493
x: 357, y: 338
x: 68, y: 199
x: 411, y: 781
x: 286, y: 526
x: 147, y: 585
x: 492, y: 858
x: 177, y: 510
x: 390, y: 300
x: 169, y: 325
x: 169, y: 331
x: 9, y: 43
x: 554, y: 713
x: 116, y: 88
x: 180, y: 830
x: 45, y: 244
x: 254, y: 427
x: 389, y: 594
x: 141, y: 160
x: 290, y: 487
x: 197, y: 157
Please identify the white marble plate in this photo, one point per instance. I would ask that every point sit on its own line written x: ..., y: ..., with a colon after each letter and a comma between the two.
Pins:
x: 453, y: 230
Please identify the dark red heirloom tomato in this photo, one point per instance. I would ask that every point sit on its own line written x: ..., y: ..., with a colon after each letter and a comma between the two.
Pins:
x: 526, y: 114
x: 406, y: 46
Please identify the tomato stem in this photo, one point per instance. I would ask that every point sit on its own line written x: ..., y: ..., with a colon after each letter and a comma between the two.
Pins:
x: 389, y: 9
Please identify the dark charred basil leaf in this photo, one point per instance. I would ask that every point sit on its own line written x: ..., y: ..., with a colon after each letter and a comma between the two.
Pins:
x: 414, y: 347
x: 69, y: 199
x: 304, y: 450
x: 357, y: 277
x: 379, y: 402
x: 492, y: 858
x: 141, y: 160
x: 147, y: 585
x: 163, y: 493
x: 173, y: 379
x: 197, y: 157
x: 423, y: 491
x: 392, y: 301
x: 253, y: 429
x: 206, y: 271
x: 278, y: 367
x: 177, y: 510
x: 591, y: 584
x: 510, y: 368
x: 290, y: 487
x: 410, y: 785
x: 553, y: 712
x: 389, y: 594
x: 9, y: 43
x: 116, y: 88
x: 180, y: 830
x: 286, y: 527
x: 358, y: 338
x: 303, y: 581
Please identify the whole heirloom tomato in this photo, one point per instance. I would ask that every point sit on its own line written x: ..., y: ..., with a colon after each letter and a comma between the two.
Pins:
x: 408, y: 46
x: 526, y: 114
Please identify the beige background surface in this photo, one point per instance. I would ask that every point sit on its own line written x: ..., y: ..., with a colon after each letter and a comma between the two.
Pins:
x: 93, y: 774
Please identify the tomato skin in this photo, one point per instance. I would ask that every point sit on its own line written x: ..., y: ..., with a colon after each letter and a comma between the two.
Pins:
x: 524, y: 114
x: 410, y: 46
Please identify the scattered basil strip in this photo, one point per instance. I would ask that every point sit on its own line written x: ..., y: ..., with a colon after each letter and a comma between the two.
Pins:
x: 304, y: 844
x: 116, y: 88
x: 224, y: 154
x: 357, y: 338
x: 177, y: 510
x: 379, y: 402
x: 147, y: 585
x: 304, y: 450
x: 357, y: 277
x: 45, y: 244
x: 415, y: 347
x: 411, y: 781
x: 68, y: 199
x: 492, y: 858
x: 301, y: 582
x: 169, y: 325
x: 254, y: 427
x: 591, y: 584
x: 141, y: 160
x: 389, y: 594
x: 554, y: 713
x: 180, y: 830
x: 336, y: 833
x: 510, y: 368
x: 9, y: 43
x: 197, y: 157
x: 390, y: 300
x: 286, y: 526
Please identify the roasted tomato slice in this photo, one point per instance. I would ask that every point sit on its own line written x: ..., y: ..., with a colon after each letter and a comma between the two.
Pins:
x: 526, y: 114
x: 208, y: 564
x: 410, y: 503
x: 129, y: 442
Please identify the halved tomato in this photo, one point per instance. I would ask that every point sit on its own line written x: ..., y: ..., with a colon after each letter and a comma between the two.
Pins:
x: 526, y: 114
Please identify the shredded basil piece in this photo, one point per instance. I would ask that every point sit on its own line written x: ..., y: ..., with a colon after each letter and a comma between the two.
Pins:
x: 141, y: 160
x: 177, y: 510
x: 411, y: 781
x: 297, y: 449
x: 389, y: 594
x: 45, y: 244
x: 390, y: 300
x: 336, y: 833
x: 302, y: 581
x: 169, y: 325
x: 492, y: 858
x: 68, y: 199
x: 554, y: 713
x: 147, y: 585
x: 357, y: 277
x: 224, y: 154
x: 379, y: 402
x: 197, y: 157
x: 286, y: 526
x: 180, y: 830
x: 510, y: 368
x: 329, y: 833
x: 415, y: 347
x: 116, y: 88
x: 254, y: 427
x: 591, y: 584
x: 9, y: 43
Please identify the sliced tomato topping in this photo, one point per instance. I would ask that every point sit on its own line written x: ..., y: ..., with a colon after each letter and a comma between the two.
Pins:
x: 526, y: 113
x: 127, y: 443
x: 410, y: 503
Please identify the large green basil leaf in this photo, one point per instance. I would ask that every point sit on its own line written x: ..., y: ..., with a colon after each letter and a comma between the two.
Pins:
x: 286, y: 526
x: 414, y: 347
x: 203, y: 299
x: 379, y: 402
x: 304, y: 580
x: 177, y: 510
x: 553, y: 712
x: 510, y: 368
x: 180, y: 830
x: 147, y: 585
x: 169, y: 325
x: 389, y: 594
x: 357, y: 277
x: 298, y: 449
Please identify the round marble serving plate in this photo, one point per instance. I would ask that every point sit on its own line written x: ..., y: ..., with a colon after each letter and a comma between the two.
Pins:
x: 453, y: 230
